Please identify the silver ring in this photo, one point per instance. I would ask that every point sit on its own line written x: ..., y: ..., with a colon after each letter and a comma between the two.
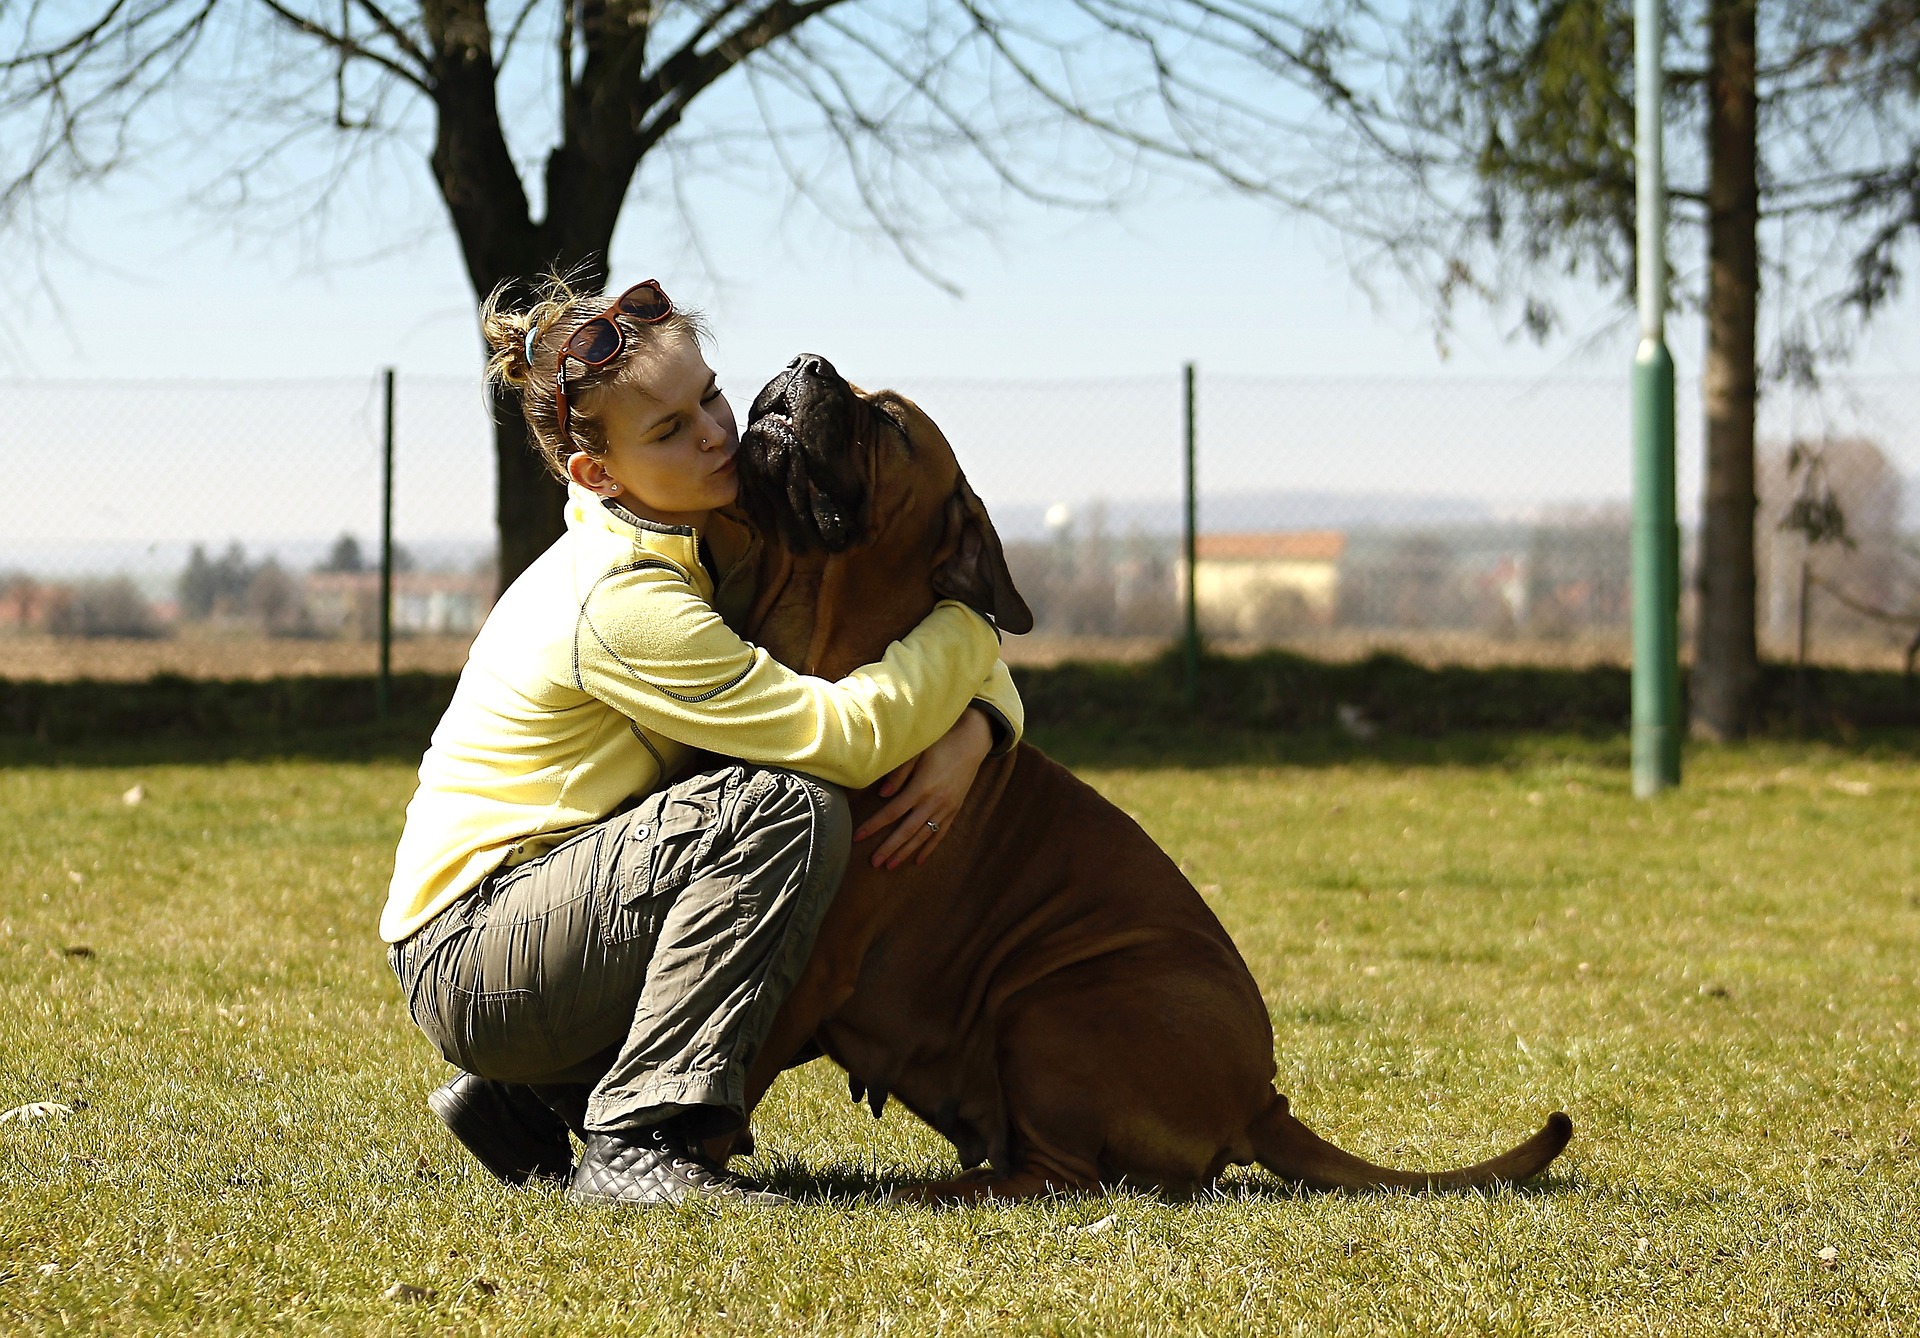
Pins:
x: 932, y: 826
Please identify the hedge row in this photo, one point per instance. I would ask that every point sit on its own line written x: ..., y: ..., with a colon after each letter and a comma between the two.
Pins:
x: 1392, y: 695
x: 169, y: 706
x: 1273, y: 691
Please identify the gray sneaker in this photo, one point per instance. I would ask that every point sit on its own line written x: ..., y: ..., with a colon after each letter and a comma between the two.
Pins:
x: 654, y: 1166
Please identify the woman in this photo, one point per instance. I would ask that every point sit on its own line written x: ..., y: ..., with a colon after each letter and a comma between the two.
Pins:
x: 594, y: 927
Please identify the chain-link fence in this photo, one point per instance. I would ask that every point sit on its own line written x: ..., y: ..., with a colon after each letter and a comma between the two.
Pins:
x: 229, y: 528
x: 232, y: 528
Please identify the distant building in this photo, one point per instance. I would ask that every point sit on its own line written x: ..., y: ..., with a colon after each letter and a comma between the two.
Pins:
x: 25, y: 603
x: 1260, y: 585
x: 347, y: 603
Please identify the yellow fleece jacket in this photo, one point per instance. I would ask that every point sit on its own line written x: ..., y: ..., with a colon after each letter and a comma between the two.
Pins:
x: 608, y: 661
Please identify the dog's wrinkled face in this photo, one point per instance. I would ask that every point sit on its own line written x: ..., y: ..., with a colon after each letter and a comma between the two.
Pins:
x: 802, y: 478
x: 826, y: 469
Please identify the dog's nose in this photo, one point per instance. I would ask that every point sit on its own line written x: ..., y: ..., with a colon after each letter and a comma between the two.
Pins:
x: 812, y: 365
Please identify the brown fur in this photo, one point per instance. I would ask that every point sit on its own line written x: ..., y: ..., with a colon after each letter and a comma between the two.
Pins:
x: 1048, y: 990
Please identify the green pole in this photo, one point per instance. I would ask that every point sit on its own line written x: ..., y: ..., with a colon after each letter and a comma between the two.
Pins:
x: 1656, y: 530
x: 1192, y: 639
x: 1656, y: 577
x: 383, y: 685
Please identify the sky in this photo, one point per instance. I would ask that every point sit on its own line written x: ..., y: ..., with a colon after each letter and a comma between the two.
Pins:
x: 1054, y: 368
x: 1195, y: 275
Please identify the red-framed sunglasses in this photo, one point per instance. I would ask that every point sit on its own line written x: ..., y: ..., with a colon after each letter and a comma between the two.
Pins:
x: 598, y: 341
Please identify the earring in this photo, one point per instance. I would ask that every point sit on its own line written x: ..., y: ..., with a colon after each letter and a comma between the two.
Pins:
x: 613, y: 490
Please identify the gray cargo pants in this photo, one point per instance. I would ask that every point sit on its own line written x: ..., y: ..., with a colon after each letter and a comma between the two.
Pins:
x: 641, y: 963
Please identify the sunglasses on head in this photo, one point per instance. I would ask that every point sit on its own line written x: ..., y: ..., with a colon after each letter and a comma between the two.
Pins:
x: 598, y: 341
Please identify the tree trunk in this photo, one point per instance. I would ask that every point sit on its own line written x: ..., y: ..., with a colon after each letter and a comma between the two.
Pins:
x: 502, y: 243
x: 529, y: 504
x: 610, y: 118
x: 1726, y: 670
x: 498, y: 241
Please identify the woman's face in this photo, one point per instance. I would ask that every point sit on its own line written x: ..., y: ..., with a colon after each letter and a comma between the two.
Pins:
x: 670, y: 439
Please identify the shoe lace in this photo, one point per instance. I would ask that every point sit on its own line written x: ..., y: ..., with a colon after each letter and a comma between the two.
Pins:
x: 705, y: 1175
x: 708, y: 1176
x: 695, y: 1169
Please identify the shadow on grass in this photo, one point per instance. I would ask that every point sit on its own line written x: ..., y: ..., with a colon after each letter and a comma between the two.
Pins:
x: 1267, y: 1188
x: 836, y: 1182
x: 846, y: 1184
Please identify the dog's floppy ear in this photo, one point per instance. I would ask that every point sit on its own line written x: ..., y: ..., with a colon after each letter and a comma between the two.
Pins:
x: 974, y: 570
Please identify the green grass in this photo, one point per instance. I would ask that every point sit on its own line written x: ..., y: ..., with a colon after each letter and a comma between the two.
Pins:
x: 1454, y: 937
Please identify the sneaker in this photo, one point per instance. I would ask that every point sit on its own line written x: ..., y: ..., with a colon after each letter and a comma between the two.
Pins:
x: 506, y: 1127
x: 644, y: 1167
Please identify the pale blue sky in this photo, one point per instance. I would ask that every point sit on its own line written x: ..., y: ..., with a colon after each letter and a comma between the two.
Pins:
x: 148, y: 283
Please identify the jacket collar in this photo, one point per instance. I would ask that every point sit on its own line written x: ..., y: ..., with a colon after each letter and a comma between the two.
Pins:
x: 734, y: 546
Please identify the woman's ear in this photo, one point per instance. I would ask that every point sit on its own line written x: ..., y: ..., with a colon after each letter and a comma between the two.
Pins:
x: 590, y: 474
x: 974, y: 570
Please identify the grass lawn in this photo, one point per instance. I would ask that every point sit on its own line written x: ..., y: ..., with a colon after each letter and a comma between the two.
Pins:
x: 1454, y: 939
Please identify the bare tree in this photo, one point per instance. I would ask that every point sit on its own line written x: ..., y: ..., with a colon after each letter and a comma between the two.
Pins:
x: 1837, y: 498
x: 1494, y: 160
x: 891, y: 115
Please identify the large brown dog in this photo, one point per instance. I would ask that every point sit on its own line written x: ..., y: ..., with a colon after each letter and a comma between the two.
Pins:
x: 1048, y: 990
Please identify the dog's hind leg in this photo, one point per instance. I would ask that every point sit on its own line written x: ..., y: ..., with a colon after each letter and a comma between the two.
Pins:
x: 1146, y: 1065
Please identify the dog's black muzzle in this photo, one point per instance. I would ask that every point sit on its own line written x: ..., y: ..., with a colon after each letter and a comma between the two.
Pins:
x: 801, y: 472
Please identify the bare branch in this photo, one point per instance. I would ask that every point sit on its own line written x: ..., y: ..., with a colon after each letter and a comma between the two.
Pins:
x: 513, y: 30
x: 345, y: 45
x: 394, y: 32
x: 72, y: 110
x: 688, y: 72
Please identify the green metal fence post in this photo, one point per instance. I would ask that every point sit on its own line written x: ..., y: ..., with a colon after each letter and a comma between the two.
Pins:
x: 1192, y: 639
x: 383, y: 685
x: 1656, y: 532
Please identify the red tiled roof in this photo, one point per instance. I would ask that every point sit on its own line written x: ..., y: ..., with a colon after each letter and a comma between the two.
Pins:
x: 1281, y: 546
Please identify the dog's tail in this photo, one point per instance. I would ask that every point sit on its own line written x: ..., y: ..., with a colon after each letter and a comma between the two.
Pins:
x: 1294, y: 1152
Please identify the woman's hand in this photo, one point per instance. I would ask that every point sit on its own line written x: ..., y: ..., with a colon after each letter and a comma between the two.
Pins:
x: 928, y: 789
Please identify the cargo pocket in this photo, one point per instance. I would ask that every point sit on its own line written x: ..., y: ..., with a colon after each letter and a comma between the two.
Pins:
x: 682, y: 838
x: 667, y: 848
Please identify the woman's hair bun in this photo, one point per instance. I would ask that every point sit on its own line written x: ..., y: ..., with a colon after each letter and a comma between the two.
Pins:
x: 506, y: 335
x: 523, y: 354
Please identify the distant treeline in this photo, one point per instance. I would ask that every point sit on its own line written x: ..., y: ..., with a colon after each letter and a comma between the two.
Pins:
x: 258, y: 595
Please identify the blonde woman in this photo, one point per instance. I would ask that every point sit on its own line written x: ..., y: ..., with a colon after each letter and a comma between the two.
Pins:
x: 594, y: 924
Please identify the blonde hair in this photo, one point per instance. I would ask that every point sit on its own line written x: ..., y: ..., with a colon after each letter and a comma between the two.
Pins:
x: 560, y: 307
